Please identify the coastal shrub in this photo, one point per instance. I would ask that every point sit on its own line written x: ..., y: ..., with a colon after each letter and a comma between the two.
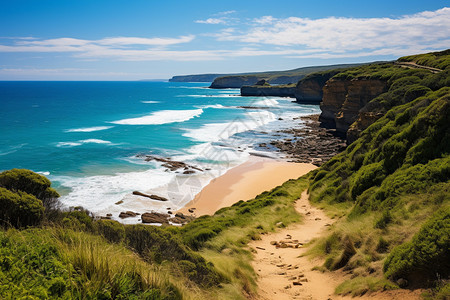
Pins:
x: 38, y: 264
x: 347, y: 253
x: 19, y: 209
x: 157, y: 245
x: 427, y: 254
x: 31, y: 183
x: 382, y: 246
x: 384, y: 220
x: 366, y: 177
x: 78, y: 219
x: 113, y: 231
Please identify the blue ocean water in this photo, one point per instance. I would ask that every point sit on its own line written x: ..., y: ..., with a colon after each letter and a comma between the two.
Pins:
x: 91, y: 138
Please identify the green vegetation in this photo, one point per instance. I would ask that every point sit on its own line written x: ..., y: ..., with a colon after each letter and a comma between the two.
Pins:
x: 71, y: 255
x: 274, y: 77
x: 439, y: 60
x: 389, y: 192
x: 394, y: 178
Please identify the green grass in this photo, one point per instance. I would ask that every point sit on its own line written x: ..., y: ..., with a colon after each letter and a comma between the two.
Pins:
x: 64, y: 264
x: 386, y: 186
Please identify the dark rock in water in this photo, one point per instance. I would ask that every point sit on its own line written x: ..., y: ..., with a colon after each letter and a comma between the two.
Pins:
x: 127, y: 214
x: 154, y: 217
x: 189, y: 172
x: 171, y: 165
x: 109, y: 215
x: 169, y: 212
x: 119, y: 202
x: 154, y: 197
x: 105, y: 218
x: 191, y: 210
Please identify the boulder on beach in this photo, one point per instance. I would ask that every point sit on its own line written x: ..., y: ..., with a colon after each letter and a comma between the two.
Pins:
x: 155, y: 217
x: 181, y: 219
x: 127, y: 214
x: 154, y: 197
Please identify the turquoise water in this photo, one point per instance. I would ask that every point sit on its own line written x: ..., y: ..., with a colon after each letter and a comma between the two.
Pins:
x: 87, y: 137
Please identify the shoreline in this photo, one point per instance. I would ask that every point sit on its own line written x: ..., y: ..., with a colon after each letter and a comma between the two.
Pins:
x: 244, y: 182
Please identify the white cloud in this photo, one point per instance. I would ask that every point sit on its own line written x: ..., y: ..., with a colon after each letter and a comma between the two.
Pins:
x: 421, y: 30
x: 212, y: 21
x: 224, y: 13
x: 145, y: 41
x: 326, y: 38
x: 265, y: 20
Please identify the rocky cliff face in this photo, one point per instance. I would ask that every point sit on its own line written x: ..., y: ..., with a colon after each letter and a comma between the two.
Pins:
x: 277, y: 91
x: 233, y: 82
x: 248, y: 80
x: 343, y: 99
x: 309, y: 90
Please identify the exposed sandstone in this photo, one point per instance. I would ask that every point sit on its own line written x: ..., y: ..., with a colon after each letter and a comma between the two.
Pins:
x: 343, y: 100
x: 309, y: 90
x: 359, y: 93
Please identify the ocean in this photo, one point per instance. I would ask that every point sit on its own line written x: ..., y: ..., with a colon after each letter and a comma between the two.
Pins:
x: 92, y: 139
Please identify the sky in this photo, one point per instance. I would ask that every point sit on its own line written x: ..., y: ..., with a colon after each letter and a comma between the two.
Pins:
x: 148, y: 39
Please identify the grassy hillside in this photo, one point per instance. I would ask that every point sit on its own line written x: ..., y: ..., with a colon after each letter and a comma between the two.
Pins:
x: 276, y: 77
x: 390, y: 188
x: 70, y: 255
x: 389, y: 191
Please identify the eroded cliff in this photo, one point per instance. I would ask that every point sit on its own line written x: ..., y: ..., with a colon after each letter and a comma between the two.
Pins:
x: 343, y: 99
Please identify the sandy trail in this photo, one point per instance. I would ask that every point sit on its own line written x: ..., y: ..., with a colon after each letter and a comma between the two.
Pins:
x: 279, y: 268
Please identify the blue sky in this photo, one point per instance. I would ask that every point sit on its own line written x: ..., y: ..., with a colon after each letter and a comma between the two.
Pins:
x: 132, y: 40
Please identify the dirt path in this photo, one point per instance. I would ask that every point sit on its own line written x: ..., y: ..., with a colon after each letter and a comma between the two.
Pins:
x: 413, y: 65
x: 282, y: 274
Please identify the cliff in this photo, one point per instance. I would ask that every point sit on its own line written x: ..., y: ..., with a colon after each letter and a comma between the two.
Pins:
x: 273, y: 77
x: 343, y: 99
x: 268, y: 90
x: 309, y: 90
x: 195, y: 78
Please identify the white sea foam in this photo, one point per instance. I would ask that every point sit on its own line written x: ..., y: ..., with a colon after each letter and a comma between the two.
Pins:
x: 267, y: 102
x: 89, y: 129
x: 99, y: 192
x: 211, y: 106
x: 162, y: 117
x: 94, y: 141
x: 81, y: 142
x: 221, y: 131
x: 68, y: 144
x: 150, y: 102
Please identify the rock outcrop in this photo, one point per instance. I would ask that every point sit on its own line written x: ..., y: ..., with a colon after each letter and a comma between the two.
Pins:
x: 343, y: 99
x: 309, y: 90
x: 155, y: 217
x: 268, y: 90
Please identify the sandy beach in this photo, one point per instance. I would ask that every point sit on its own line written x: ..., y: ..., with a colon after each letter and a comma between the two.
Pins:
x: 244, y: 182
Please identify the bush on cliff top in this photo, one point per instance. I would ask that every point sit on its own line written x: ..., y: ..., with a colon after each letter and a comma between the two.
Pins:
x: 19, y: 209
x: 29, y: 182
x: 427, y: 255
